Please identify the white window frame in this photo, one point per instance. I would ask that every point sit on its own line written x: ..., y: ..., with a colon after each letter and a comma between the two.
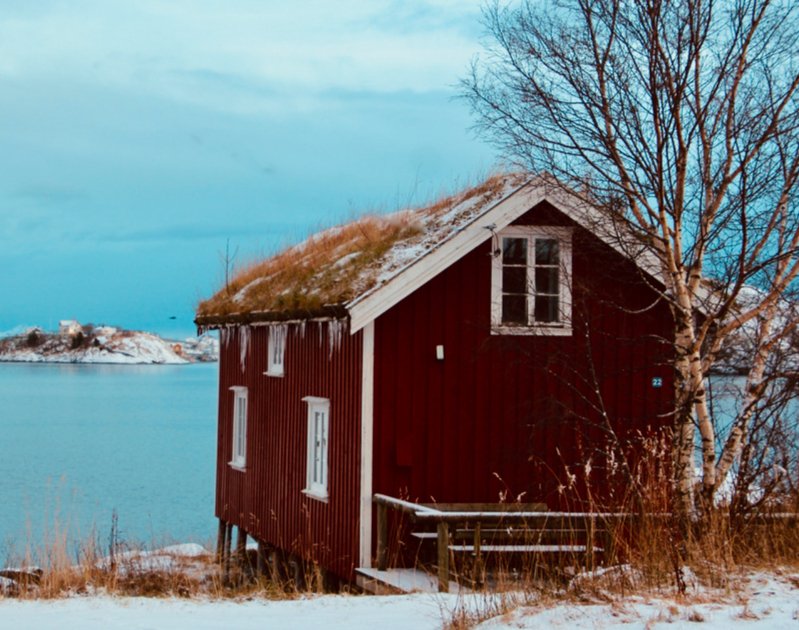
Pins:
x: 563, y: 327
x: 238, y: 451
x: 276, y: 350
x: 317, y: 467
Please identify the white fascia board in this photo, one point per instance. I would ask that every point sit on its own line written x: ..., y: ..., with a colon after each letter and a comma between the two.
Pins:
x: 367, y: 445
x: 371, y: 305
x: 596, y: 222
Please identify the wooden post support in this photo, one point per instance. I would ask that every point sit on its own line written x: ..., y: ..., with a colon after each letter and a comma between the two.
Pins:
x: 477, y: 571
x: 226, y: 554
x: 443, y: 557
x: 382, y: 537
x: 220, y: 541
x: 608, y: 544
x: 261, y: 562
x: 241, y: 549
x: 590, y: 538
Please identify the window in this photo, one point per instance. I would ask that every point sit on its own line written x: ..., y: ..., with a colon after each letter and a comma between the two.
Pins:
x: 239, y: 455
x: 317, y: 463
x: 276, y: 349
x: 531, y: 281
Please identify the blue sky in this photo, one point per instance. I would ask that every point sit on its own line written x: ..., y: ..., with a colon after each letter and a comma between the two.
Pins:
x: 137, y: 137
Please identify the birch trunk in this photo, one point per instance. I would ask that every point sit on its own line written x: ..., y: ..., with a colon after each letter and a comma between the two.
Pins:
x: 753, y: 392
x: 685, y: 429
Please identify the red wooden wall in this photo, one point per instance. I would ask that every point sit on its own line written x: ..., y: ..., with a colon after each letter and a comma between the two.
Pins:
x: 267, y: 500
x: 500, y: 414
x: 511, y: 413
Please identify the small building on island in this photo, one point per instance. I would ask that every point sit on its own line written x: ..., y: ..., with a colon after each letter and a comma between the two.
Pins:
x: 69, y: 328
x: 493, y: 345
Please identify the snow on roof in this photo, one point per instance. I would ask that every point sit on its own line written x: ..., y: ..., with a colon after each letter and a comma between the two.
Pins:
x: 321, y: 275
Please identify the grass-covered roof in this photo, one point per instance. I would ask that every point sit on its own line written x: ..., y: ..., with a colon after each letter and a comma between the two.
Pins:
x: 321, y: 275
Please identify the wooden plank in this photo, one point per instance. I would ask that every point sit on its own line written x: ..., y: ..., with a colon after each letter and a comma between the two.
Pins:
x: 589, y: 543
x: 443, y: 557
x: 532, y: 520
x: 382, y: 536
x: 402, y: 581
x: 488, y: 507
x: 490, y: 534
x: 241, y: 551
x: 424, y: 535
x: 581, y: 549
x: 220, y: 541
x: 226, y: 554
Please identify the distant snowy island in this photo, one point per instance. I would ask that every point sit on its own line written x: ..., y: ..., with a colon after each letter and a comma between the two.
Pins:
x: 77, y: 343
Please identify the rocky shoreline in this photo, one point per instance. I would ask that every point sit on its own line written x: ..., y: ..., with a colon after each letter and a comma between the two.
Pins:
x: 75, y: 343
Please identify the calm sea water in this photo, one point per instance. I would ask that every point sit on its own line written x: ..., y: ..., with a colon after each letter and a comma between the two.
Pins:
x: 80, y: 442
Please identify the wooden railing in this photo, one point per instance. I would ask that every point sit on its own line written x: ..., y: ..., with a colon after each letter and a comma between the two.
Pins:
x: 471, y: 521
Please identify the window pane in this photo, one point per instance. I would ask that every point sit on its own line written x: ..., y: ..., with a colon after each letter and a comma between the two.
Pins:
x: 514, y: 251
x: 546, y: 309
x: 514, y: 280
x: 546, y: 280
x: 319, y: 447
x: 323, y: 471
x: 514, y: 309
x: 546, y: 251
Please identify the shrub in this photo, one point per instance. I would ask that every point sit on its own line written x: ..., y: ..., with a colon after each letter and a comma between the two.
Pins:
x: 77, y: 341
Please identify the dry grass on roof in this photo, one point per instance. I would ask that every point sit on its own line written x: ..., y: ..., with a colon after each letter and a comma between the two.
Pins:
x: 338, y: 264
x: 488, y: 188
x: 321, y: 271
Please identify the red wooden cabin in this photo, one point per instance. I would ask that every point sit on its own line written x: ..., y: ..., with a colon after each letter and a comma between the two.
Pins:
x: 484, y: 346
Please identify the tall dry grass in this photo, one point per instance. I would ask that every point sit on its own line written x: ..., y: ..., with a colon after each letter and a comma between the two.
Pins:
x: 59, y: 567
x: 646, y: 549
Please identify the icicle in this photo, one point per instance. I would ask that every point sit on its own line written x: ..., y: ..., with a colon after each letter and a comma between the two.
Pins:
x: 224, y: 337
x: 302, y: 329
x: 335, y: 327
x: 244, y: 345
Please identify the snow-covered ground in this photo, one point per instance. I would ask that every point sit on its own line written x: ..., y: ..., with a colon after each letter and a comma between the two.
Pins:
x: 327, y: 612
x: 762, y: 600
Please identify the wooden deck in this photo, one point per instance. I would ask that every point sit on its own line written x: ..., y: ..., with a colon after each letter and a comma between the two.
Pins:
x: 473, y: 535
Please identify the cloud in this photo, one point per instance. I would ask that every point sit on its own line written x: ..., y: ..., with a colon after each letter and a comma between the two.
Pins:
x: 188, y: 232
x: 263, y: 50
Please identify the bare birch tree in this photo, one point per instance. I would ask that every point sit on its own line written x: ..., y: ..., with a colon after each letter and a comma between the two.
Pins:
x: 680, y: 118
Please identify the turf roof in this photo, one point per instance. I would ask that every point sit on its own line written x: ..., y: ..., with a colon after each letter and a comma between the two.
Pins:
x: 321, y: 275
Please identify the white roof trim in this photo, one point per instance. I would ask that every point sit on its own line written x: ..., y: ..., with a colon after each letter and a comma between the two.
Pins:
x: 370, y: 305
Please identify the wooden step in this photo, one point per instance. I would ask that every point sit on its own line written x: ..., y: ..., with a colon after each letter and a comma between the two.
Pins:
x: 525, y: 548
x: 530, y: 536
x: 401, y: 581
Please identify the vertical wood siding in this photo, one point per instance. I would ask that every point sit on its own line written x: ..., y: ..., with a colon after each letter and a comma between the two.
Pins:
x: 509, y: 415
x: 267, y: 499
x: 499, y: 416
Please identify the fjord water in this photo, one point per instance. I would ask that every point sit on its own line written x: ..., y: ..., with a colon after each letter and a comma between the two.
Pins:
x: 80, y: 442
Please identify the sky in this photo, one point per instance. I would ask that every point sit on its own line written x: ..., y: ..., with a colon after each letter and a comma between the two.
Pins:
x: 140, y: 139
